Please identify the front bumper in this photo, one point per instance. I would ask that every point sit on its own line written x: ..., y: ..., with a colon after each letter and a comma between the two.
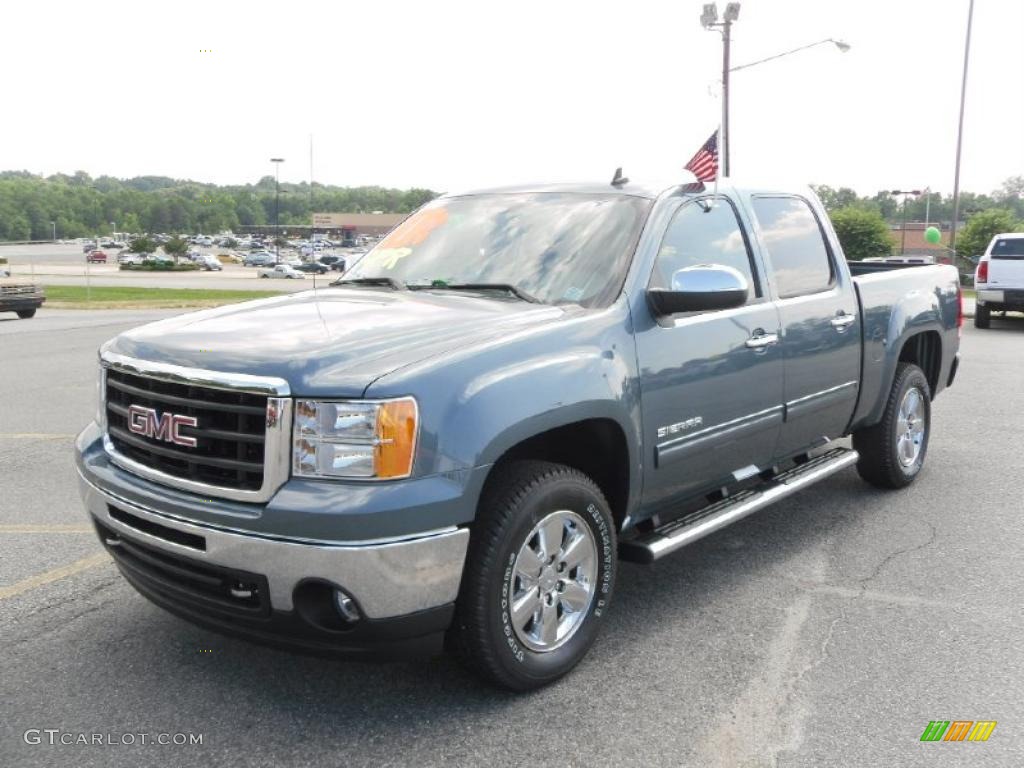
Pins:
x: 13, y: 303
x: 404, y: 590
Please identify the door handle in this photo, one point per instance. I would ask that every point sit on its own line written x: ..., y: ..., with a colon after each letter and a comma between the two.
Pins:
x: 762, y: 340
x: 843, y: 321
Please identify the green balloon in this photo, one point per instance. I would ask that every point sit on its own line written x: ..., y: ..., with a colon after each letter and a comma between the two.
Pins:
x: 932, y: 235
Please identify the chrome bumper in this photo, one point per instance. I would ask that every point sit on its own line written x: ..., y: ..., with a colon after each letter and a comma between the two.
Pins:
x: 387, y: 579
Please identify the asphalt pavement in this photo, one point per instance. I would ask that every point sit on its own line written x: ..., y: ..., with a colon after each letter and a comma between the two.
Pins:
x: 827, y: 630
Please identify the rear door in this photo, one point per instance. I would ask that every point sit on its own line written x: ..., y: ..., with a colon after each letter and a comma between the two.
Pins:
x: 821, y: 329
x: 711, y: 382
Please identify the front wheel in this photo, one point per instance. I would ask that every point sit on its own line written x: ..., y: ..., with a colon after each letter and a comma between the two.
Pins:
x: 25, y: 314
x: 539, y: 575
x: 892, y: 451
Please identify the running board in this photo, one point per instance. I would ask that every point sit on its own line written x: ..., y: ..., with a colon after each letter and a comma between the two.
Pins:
x: 654, y: 545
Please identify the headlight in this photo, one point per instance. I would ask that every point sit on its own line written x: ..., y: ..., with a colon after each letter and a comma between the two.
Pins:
x: 354, y: 438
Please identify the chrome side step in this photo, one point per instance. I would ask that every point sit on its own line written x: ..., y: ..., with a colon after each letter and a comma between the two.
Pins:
x: 678, y: 533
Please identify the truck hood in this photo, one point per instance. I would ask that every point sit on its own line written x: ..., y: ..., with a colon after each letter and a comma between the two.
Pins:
x: 334, y: 341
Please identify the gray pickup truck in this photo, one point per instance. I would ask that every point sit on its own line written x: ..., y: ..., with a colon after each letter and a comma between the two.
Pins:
x: 453, y: 445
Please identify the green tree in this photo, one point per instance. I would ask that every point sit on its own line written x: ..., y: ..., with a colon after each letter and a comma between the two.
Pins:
x: 175, y: 248
x: 141, y: 245
x: 974, y: 238
x: 863, y: 233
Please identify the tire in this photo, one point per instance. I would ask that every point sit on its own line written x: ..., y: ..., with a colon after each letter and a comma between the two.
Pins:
x: 982, y: 317
x: 518, y: 652
x: 264, y: 277
x: 892, y: 452
x: 25, y: 314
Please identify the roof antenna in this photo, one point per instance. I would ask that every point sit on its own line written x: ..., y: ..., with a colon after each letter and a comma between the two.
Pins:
x: 618, y: 179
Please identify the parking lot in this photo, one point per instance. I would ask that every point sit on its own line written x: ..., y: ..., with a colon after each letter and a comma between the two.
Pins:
x: 827, y: 630
x: 65, y: 264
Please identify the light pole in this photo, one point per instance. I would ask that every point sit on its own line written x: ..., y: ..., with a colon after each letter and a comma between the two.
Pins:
x: 960, y: 133
x: 903, y: 221
x: 843, y: 48
x: 53, y: 224
x: 709, y: 20
x: 277, y: 206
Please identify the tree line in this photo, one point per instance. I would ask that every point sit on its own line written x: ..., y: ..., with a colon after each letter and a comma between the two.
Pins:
x: 863, y: 224
x: 68, y: 206
x: 32, y: 207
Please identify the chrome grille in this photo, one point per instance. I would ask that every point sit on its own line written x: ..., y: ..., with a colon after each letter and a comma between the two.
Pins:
x: 16, y: 290
x: 230, y: 434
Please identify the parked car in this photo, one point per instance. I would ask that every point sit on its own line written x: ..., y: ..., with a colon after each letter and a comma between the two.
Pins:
x: 282, y: 271
x: 96, y: 257
x: 132, y: 258
x: 258, y: 259
x: 209, y: 263
x: 313, y: 266
x: 434, y: 458
x: 338, y: 265
x: 89, y: 246
x: 999, y: 278
x: 22, y: 297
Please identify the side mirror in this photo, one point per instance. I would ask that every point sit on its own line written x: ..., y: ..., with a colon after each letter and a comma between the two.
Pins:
x: 700, y: 288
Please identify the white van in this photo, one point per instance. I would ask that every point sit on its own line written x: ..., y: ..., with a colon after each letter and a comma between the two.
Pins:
x: 999, y: 278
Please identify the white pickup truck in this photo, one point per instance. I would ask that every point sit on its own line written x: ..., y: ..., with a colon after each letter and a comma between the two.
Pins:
x: 999, y: 278
x: 282, y: 271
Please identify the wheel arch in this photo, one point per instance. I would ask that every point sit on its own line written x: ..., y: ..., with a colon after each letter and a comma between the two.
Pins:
x: 596, y: 446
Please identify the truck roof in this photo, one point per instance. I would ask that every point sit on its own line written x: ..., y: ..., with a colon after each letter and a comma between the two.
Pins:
x: 649, y: 189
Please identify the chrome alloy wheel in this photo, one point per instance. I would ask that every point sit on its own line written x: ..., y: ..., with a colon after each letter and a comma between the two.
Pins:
x: 910, y: 427
x: 553, y: 582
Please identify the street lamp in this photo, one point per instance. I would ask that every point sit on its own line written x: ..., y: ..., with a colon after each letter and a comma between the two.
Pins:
x: 54, y: 225
x: 277, y: 206
x: 709, y: 20
x: 842, y: 46
x: 907, y: 193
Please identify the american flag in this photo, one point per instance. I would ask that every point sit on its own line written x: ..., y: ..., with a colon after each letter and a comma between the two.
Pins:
x: 705, y: 163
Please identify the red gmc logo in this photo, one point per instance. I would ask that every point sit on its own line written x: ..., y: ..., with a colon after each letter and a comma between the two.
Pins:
x: 146, y: 422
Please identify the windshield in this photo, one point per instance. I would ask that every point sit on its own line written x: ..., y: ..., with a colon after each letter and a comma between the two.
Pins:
x: 554, y: 247
x: 1008, y: 248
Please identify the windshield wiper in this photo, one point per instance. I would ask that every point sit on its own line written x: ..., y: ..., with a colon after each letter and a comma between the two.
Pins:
x: 507, y: 287
x: 389, y: 282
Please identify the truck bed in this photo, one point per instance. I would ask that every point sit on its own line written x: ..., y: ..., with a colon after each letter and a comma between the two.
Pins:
x: 898, y: 301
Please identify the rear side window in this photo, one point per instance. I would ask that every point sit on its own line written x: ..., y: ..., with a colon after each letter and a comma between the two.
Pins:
x: 699, y: 234
x: 1008, y: 248
x: 796, y: 246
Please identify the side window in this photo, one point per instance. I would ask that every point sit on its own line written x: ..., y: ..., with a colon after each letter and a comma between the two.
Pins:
x: 698, y: 235
x: 799, y: 258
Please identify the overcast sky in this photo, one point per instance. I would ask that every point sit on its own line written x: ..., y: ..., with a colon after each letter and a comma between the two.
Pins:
x: 453, y: 95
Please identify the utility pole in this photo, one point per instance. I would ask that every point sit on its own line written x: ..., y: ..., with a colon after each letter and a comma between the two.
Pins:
x: 960, y: 133
x: 709, y: 20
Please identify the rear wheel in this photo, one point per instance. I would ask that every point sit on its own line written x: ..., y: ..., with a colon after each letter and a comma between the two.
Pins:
x: 539, y: 575
x: 892, y: 452
x: 982, y: 317
x: 25, y: 314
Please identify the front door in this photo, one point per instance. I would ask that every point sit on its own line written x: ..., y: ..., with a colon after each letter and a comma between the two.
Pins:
x: 711, y: 382
x: 821, y: 326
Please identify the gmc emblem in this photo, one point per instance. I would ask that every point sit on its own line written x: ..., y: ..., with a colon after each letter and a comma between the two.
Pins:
x: 146, y: 422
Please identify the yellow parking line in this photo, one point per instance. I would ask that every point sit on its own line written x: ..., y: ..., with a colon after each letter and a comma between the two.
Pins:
x: 34, y: 436
x: 21, y: 528
x: 55, y: 575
